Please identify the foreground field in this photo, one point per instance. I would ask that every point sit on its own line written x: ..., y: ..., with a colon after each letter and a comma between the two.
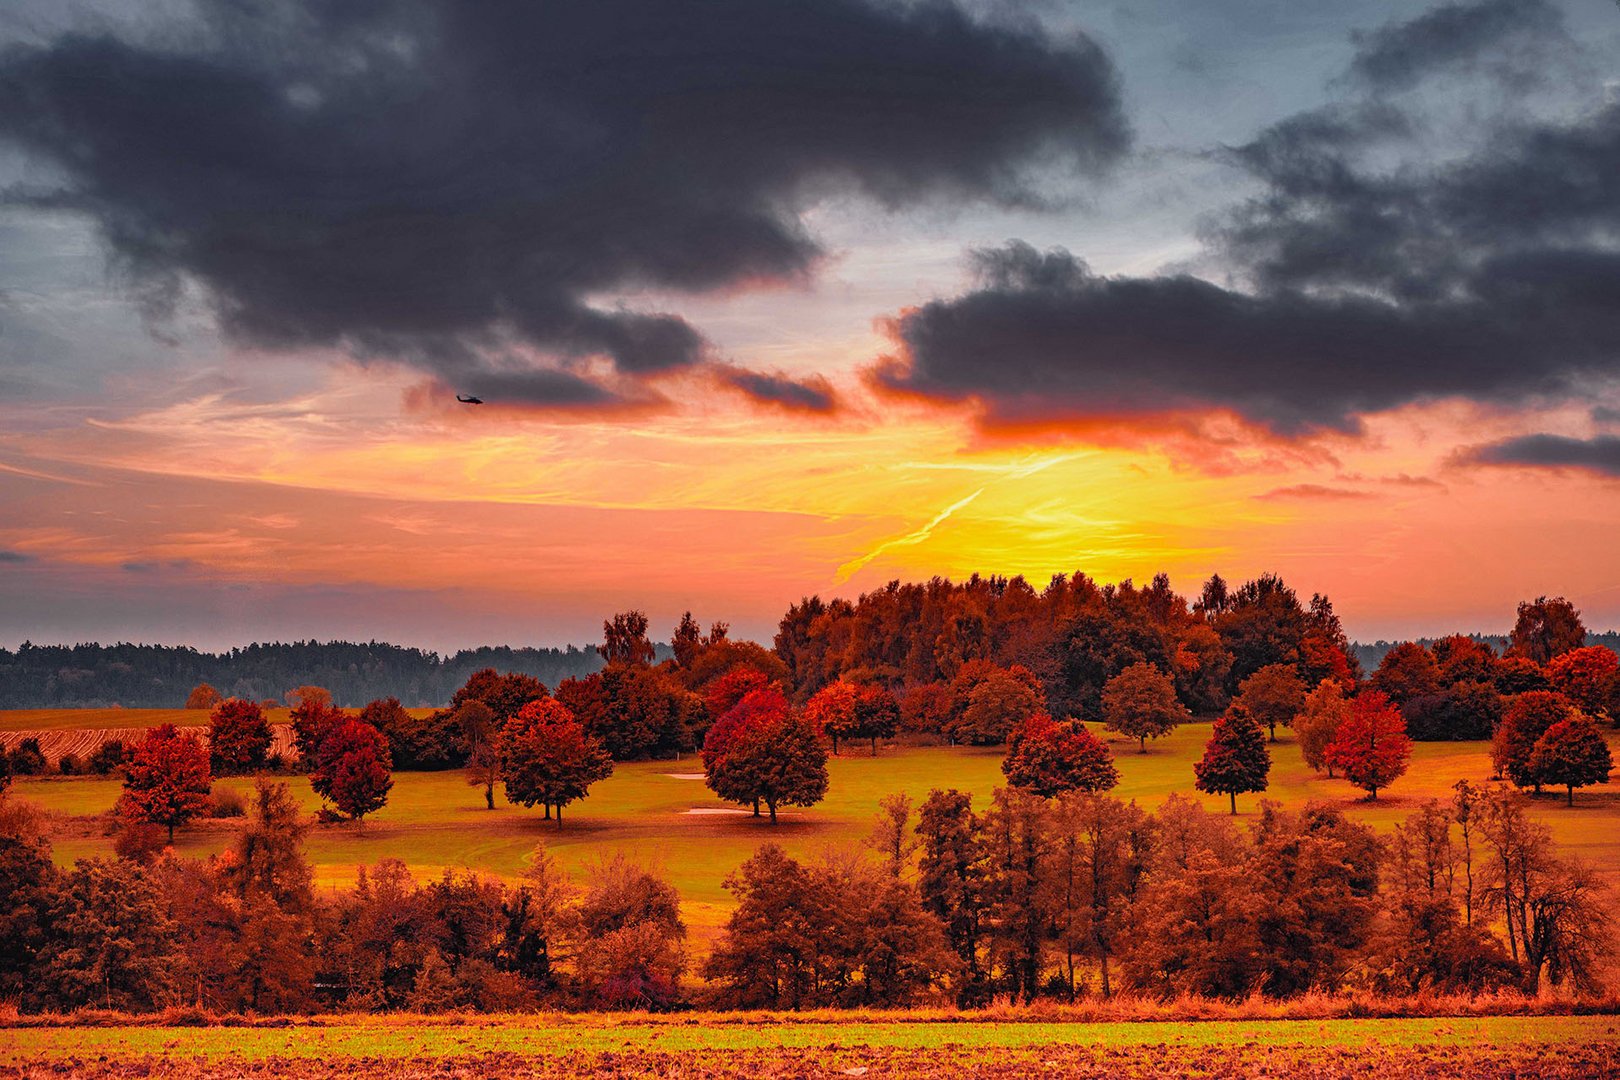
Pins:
x: 768, y: 1045
x: 434, y: 820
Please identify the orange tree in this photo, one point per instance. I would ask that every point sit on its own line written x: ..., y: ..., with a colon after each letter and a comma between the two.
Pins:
x: 1523, y: 724
x: 1273, y: 695
x: 1588, y: 676
x: 1371, y: 745
x: 547, y: 757
x: 167, y: 780
x: 1141, y: 702
x: 832, y: 710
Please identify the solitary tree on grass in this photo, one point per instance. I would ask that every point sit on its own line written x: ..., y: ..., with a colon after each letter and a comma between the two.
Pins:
x: 1318, y: 722
x: 168, y: 780
x: 1049, y: 758
x: 1573, y: 753
x: 478, y: 731
x: 1235, y: 758
x: 762, y: 751
x: 1524, y: 722
x: 1371, y: 745
x: 353, y: 769
x: 1141, y: 702
x: 546, y: 757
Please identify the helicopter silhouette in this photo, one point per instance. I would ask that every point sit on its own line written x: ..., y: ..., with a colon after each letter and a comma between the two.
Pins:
x: 469, y: 400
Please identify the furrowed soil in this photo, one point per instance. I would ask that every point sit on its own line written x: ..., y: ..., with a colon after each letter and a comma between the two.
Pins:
x: 739, y: 1045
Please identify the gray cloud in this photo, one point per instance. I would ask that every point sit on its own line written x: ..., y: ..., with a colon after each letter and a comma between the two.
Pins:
x: 810, y: 395
x: 444, y: 183
x: 1363, y: 286
x: 1401, y: 54
x: 1599, y: 454
x: 14, y: 557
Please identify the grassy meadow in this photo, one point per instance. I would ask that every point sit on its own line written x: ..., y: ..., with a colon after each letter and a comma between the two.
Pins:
x: 434, y: 820
x: 770, y: 1045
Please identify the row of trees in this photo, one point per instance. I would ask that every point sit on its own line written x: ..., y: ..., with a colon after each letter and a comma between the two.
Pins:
x: 1032, y: 897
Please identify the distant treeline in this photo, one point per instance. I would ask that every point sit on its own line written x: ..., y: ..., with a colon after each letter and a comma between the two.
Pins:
x: 1370, y: 654
x: 160, y: 676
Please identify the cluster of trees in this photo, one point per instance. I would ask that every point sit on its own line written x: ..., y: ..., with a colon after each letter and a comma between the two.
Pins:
x: 159, y: 676
x: 1070, y: 639
x: 1032, y: 897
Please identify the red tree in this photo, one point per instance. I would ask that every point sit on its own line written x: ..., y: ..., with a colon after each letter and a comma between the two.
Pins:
x: 1526, y: 720
x: 832, y: 711
x: 312, y: 721
x: 723, y: 693
x: 1586, y: 676
x: 1573, y: 753
x: 353, y: 768
x: 547, y: 757
x: 1371, y: 745
x: 1049, y: 758
x: 238, y: 736
x: 167, y: 780
x: 761, y: 751
x: 504, y: 694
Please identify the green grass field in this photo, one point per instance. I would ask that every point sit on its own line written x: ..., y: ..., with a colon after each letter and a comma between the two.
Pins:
x: 434, y: 820
x: 758, y: 1046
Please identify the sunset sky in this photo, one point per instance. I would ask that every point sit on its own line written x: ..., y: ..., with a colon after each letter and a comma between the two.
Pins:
x: 768, y: 299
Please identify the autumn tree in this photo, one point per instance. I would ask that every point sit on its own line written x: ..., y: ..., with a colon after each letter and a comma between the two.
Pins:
x: 987, y: 701
x: 1049, y: 758
x: 624, y: 639
x: 1273, y: 695
x: 1545, y: 628
x: 1141, y: 702
x: 203, y: 696
x: 722, y: 693
x: 765, y: 753
x: 168, y: 780
x: 353, y: 769
x: 546, y: 757
x: 1371, y: 745
x: 630, y: 951
x: 877, y: 715
x: 1099, y: 848
x: 312, y: 721
x: 1572, y: 753
x: 1407, y: 671
x: 951, y: 880
x: 1526, y: 720
x: 239, y: 737
x: 1235, y: 757
x: 1590, y: 677
x: 308, y: 696
x: 503, y: 694
x: 476, y: 724
x: 1318, y: 722
x: 891, y: 835
x: 832, y: 709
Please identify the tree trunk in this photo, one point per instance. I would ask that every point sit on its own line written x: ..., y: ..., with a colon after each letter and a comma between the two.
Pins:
x: 548, y: 810
x: 559, y: 815
x: 835, y: 745
x: 489, y: 795
x: 874, y: 746
x: 1143, y: 748
x: 773, y: 812
x: 1233, y: 794
x: 756, y: 807
x: 1572, y: 794
x: 1106, y: 990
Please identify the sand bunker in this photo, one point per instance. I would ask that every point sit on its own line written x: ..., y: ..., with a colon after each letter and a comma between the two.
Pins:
x: 684, y: 775
x: 701, y: 810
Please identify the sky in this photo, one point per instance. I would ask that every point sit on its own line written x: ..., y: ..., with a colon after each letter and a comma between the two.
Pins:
x: 766, y: 300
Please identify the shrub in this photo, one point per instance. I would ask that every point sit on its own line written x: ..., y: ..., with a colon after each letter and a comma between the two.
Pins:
x: 107, y: 757
x: 69, y: 765
x: 28, y: 759
x: 226, y: 802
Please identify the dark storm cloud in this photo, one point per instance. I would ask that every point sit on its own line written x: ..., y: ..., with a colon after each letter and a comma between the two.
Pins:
x: 811, y: 395
x: 1598, y: 454
x: 1398, y: 56
x: 1493, y: 277
x: 441, y: 182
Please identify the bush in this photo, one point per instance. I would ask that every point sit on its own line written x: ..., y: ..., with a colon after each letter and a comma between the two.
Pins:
x: 70, y: 765
x: 226, y: 802
x: 106, y: 757
x: 139, y: 841
x: 28, y: 759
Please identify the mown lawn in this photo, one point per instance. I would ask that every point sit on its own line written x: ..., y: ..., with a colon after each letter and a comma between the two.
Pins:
x: 434, y: 820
